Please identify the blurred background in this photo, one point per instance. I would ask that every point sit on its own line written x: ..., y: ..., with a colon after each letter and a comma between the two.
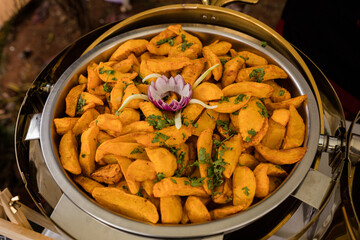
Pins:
x: 32, y: 32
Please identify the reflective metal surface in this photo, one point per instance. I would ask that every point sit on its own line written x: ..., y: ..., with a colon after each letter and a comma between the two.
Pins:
x: 54, y: 107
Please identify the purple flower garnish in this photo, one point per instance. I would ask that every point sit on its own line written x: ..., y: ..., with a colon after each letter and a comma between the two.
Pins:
x: 162, y: 88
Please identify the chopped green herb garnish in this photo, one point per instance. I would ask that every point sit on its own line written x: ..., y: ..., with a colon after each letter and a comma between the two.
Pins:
x: 173, y: 180
x: 195, y: 182
x: 158, y: 136
x: 239, y: 98
x: 224, y: 99
x: 257, y: 74
x: 281, y: 92
x: 246, y: 191
x: 264, y: 44
x: 159, y: 177
x: 137, y: 150
x: 166, y: 40
x: 160, y: 122
x: 263, y: 111
x: 252, y: 132
x: 80, y: 104
x: 83, y: 155
x: 107, y: 87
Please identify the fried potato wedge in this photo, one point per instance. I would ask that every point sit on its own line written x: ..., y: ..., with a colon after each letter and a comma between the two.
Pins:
x: 93, y: 79
x: 131, y: 90
x: 244, y: 186
x: 167, y: 64
x: 231, y: 150
x: 141, y: 170
x: 163, y: 160
x: 191, y: 72
x: 171, y: 209
x: 109, y: 174
x: 206, y: 120
x: 255, y: 89
x: 148, y: 108
x: 258, y: 136
x: 72, y: 98
x: 90, y: 98
x: 231, y: 104
x: 196, y: 210
x: 261, y: 73
x: 281, y: 116
x: 135, y: 127
x: 180, y: 186
x: 88, y: 149
x: 251, y: 119
x: 191, y: 113
x: 220, y: 47
x: 231, y: 70
x: 282, y: 156
x: 166, y: 136
x: 262, y: 181
x: 213, y: 59
x: 65, y: 124
x: 128, y: 115
x: 204, y: 149
x: 109, y: 122
x: 162, y: 43
x: 224, y: 192
x: 125, y: 149
x: 116, y: 95
x: 84, y: 121
x: 87, y: 183
x: 279, y: 94
x: 124, y: 163
x: 252, y: 59
x: 296, y: 101
x: 225, y: 211
x: 128, y: 204
x: 295, y: 130
x: 69, y: 156
x: 248, y: 160
x: 274, y: 135
x: 207, y: 92
x: 136, y: 46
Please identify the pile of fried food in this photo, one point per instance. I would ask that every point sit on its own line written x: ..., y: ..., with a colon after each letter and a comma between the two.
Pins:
x: 220, y: 162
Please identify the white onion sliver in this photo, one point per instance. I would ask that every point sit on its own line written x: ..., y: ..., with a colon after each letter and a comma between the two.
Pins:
x: 133, y: 97
x: 177, y: 119
x: 199, y: 80
x: 153, y: 75
x: 197, y: 101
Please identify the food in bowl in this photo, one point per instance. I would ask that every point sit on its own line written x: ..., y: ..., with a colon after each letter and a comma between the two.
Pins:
x: 174, y: 130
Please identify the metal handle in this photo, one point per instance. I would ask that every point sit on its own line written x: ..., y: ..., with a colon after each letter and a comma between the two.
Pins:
x: 353, y: 144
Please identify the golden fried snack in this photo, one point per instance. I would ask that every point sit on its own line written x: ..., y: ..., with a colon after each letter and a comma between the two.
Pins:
x: 231, y: 70
x: 279, y: 94
x: 252, y: 59
x: 127, y: 204
x: 282, y: 156
x: 141, y: 170
x: 72, y: 98
x: 231, y: 152
x: 93, y: 79
x: 171, y: 209
x: 191, y: 113
x: 148, y: 108
x: 274, y: 135
x: 68, y: 150
x: 196, y: 210
x: 88, y: 149
x: 248, y: 160
x: 281, y: 116
x: 166, y: 136
x: 296, y: 101
x: 295, y: 131
x: 244, y: 186
x: 87, y: 183
x: 207, y: 92
x: 231, y: 104
x: 251, y: 119
x: 223, y: 192
x: 109, y: 174
x: 207, y: 120
x: 125, y: 149
x: 223, y: 212
x: 191, y: 72
x: 255, y: 89
x: 109, y: 123
x: 124, y: 163
x: 63, y: 125
x: 167, y: 64
x: 261, y: 73
x: 136, y: 46
x: 163, y: 160
x: 212, y: 59
x: 204, y: 150
x: 128, y: 115
x: 180, y: 186
x: 220, y: 47
x: 84, y: 121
